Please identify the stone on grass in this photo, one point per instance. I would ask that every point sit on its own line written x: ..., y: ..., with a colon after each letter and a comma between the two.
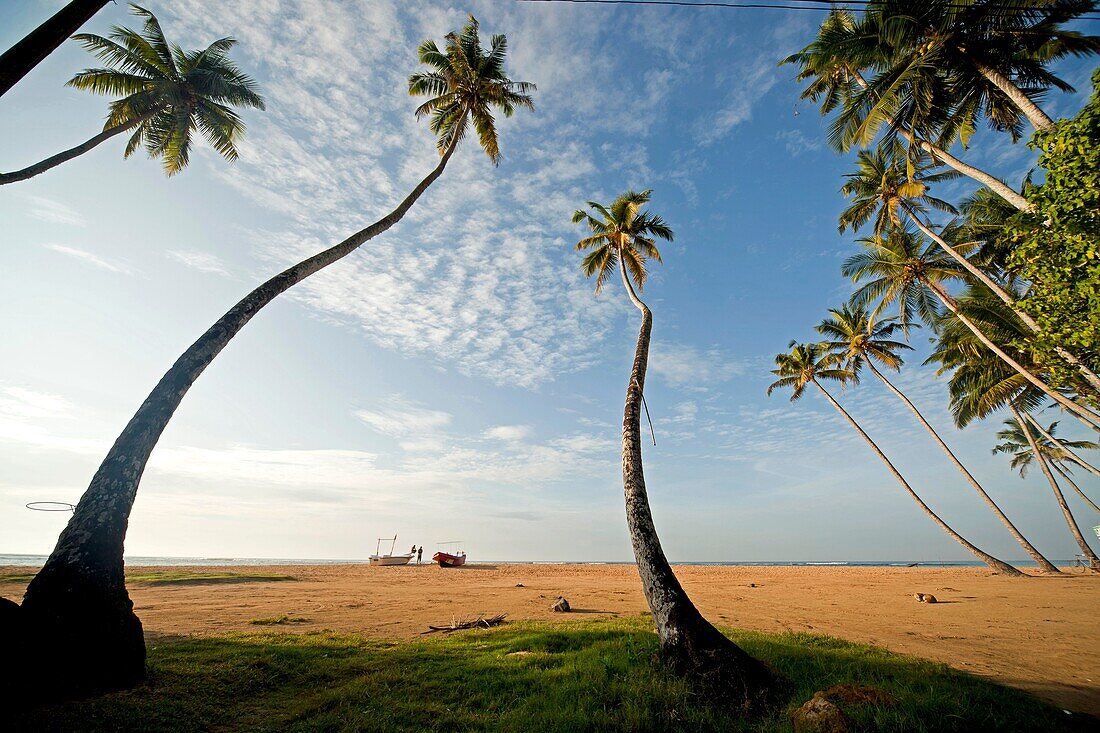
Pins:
x: 561, y: 605
x: 819, y: 716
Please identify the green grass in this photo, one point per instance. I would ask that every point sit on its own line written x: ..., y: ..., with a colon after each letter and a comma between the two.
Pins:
x: 176, y: 577
x: 575, y: 676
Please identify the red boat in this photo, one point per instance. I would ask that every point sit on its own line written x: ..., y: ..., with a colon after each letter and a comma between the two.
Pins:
x: 449, y: 555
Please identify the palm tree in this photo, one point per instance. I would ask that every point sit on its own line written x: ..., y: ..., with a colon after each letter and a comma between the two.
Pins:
x: 1020, y: 440
x: 807, y: 364
x: 833, y: 62
x: 623, y: 237
x: 17, y: 61
x: 79, y: 597
x: 885, y: 186
x: 168, y: 93
x: 861, y: 339
x: 993, y: 56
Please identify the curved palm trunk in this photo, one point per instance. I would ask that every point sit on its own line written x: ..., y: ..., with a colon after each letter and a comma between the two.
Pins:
x: 18, y: 60
x: 1037, y: 117
x: 1073, y: 407
x: 1047, y: 436
x: 1094, y: 561
x: 55, y: 160
x: 688, y: 641
x: 78, y: 601
x: 996, y: 289
x: 1073, y: 484
x: 1044, y: 565
x: 999, y: 565
x: 988, y: 180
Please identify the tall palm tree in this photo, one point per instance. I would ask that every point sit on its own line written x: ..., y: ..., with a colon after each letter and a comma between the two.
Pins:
x: 885, y: 186
x: 834, y: 63
x: 861, y: 340
x: 992, y: 55
x: 623, y: 237
x: 1020, y: 440
x: 807, y: 364
x: 17, y: 61
x: 1059, y: 453
x: 167, y: 94
x: 80, y: 596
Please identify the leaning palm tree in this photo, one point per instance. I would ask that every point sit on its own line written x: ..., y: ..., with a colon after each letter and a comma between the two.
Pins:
x: 993, y: 56
x: 885, y: 186
x: 1022, y: 441
x: 166, y: 94
x: 861, y: 340
x: 32, y: 49
x: 834, y: 63
x: 807, y: 364
x: 623, y: 238
x: 79, y: 597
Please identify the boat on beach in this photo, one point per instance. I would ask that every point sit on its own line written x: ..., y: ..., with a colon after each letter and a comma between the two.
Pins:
x: 449, y: 555
x: 389, y: 559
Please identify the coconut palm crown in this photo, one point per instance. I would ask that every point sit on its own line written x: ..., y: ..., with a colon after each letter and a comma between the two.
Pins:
x: 1016, y: 443
x: 887, y: 181
x: 857, y: 336
x: 806, y: 363
x: 624, y: 230
x: 465, y: 84
x: 168, y: 93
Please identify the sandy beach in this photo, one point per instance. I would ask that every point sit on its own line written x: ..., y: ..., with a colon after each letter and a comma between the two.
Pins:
x: 1041, y: 634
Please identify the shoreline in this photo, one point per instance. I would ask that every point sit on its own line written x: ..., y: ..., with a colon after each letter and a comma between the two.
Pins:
x: 1036, y: 634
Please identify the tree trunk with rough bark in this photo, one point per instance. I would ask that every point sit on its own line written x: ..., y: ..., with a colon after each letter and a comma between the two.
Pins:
x: 999, y: 565
x: 89, y: 638
x: 66, y: 155
x: 1045, y: 565
x: 18, y: 60
x: 1094, y: 561
x: 952, y: 306
x: 689, y: 643
x: 1090, y: 377
x: 1073, y: 484
x: 1037, y: 117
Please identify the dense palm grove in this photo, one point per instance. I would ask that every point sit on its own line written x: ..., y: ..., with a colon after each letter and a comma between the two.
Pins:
x: 1007, y: 280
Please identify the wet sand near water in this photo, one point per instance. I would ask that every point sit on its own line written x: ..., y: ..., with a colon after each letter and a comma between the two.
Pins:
x: 1038, y: 634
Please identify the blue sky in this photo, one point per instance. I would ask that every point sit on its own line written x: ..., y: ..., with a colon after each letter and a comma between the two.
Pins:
x: 457, y: 378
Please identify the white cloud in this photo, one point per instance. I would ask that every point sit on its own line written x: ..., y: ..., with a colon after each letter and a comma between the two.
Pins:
x: 54, y: 212
x: 90, y: 258
x: 684, y: 365
x: 20, y: 402
x: 796, y: 142
x: 508, y: 433
x: 199, y: 260
x: 398, y: 418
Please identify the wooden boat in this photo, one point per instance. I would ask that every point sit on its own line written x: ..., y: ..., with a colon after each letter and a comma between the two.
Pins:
x: 389, y: 559
x: 449, y: 555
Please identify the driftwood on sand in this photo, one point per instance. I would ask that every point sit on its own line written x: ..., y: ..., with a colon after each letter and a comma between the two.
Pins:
x: 481, y: 622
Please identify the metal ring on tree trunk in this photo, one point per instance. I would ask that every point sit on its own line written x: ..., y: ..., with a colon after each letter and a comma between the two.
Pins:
x: 51, y: 506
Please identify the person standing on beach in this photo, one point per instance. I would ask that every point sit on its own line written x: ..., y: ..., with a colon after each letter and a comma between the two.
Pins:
x: 419, y: 554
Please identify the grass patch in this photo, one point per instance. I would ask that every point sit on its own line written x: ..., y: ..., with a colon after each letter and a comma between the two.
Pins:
x: 172, y: 576
x: 577, y: 676
x: 279, y: 620
x: 199, y: 577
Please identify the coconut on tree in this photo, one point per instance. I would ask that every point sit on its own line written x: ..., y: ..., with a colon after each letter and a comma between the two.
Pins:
x: 861, y: 340
x: 1023, y: 442
x: 807, y: 364
x: 623, y: 238
x: 78, y: 604
x: 165, y: 95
